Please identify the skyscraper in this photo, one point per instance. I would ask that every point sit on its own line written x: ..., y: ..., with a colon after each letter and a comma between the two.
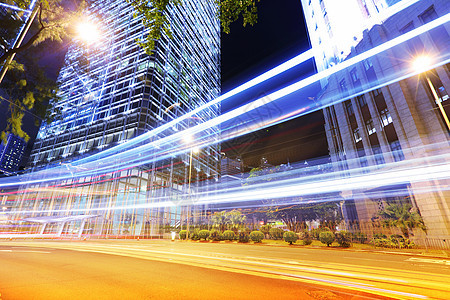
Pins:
x: 120, y: 94
x: 381, y: 125
x: 11, y: 154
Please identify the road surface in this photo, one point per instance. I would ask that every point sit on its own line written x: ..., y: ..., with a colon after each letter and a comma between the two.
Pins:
x: 190, y: 270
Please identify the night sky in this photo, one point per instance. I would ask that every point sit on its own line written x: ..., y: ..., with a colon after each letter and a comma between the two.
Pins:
x: 279, y: 35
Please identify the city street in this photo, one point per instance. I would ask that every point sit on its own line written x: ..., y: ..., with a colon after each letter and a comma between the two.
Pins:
x: 161, y: 269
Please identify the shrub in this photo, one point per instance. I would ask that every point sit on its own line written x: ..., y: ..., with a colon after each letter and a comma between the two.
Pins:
x: 276, y: 233
x: 306, y: 238
x: 384, y: 243
x: 326, y: 237
x: 344, y: 238
x: 290, y: 237
x: 314, y: 233
x: 360, y: 237
x: 408, y: 244
x: 379, y: 236
x: 256, y: 236
x: 182, y: 234
x: 214, y: 235
x: 203, y: 234
x: 243, y: 237
x: 265, y: 229
x: 228, y: 235
x: 195, y: 235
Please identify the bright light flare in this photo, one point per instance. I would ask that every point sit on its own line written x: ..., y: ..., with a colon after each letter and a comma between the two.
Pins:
x: 188, y: 138
x: 422, y: 63
x: 87, y: 32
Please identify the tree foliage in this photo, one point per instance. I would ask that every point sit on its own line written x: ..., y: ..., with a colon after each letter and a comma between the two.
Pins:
x: 28, y: 91
x: 154, y: 15
x: 54, y: 21
x: 228, y: 219
x: 402, y: 217
x: 26, y: 88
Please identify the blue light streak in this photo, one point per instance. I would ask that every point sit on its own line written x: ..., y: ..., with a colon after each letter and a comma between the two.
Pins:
x: 128, y: 155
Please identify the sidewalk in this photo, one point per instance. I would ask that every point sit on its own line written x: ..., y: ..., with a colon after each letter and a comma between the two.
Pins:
x: 424, y: 253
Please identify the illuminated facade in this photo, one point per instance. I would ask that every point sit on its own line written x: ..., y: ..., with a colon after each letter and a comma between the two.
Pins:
x: 396, y: 122
x: 335, y: 27
x: 123, y: 93
x: 11, y: 154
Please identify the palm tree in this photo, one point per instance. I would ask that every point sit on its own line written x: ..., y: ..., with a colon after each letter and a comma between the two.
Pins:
x: 219, y: 220
x: 401, y: 216
x: 235, y: 218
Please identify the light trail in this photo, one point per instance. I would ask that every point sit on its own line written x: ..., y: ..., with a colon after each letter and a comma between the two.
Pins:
x: 169, y: 146
x: 289, y: 187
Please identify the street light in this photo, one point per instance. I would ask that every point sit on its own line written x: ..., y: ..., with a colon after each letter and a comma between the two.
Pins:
x: 421, y: 64
x: 87, y: 32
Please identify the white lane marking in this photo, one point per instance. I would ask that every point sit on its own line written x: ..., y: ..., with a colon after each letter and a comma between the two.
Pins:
x: 430, y: 260
x: 25, y: 251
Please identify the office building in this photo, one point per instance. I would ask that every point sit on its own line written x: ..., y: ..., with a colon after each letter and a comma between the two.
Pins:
x: 123, y: 93
x: 401, y: 121
x: 11, y: 154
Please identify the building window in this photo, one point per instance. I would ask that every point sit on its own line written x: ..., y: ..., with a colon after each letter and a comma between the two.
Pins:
x: 367, y: 64
x: 356, y: 135
x: 415, y: 44
x: 377, y: 92
x: 439, y: 34
x: 343, y: 87
x: 397, y: 152
x: 361, y: 101
x: 378, y: 155
x: 385, y: 117
x: 370, y: 127
x: 349, y: 108
x: 354, y: 75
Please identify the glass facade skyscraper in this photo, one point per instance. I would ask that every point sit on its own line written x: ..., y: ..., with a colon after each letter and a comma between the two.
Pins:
x: 119, y: 94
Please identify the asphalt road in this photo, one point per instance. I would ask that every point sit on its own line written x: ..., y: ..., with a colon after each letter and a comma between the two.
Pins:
x: 185, y: 270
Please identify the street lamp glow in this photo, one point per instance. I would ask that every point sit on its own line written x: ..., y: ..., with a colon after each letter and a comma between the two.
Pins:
x: 87, y: 32
x: 422, y: 63
x: 195, y: 150
x: 188, y: 138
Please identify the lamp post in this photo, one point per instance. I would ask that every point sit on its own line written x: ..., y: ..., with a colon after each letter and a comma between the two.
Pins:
x: 421, y: 64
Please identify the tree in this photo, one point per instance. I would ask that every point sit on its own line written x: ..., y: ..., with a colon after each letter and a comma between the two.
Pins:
x: 295, y: 216
x: 27, y: 89
x: 402, y: 217
x: 223, y: 219
x: 235, y: 218
x: 219, y: 220
x: 154, y: 16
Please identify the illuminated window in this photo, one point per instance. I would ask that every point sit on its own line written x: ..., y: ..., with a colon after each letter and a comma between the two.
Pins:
x: 370, y: 127
x: 385, y: 117
x: 356, y: 135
